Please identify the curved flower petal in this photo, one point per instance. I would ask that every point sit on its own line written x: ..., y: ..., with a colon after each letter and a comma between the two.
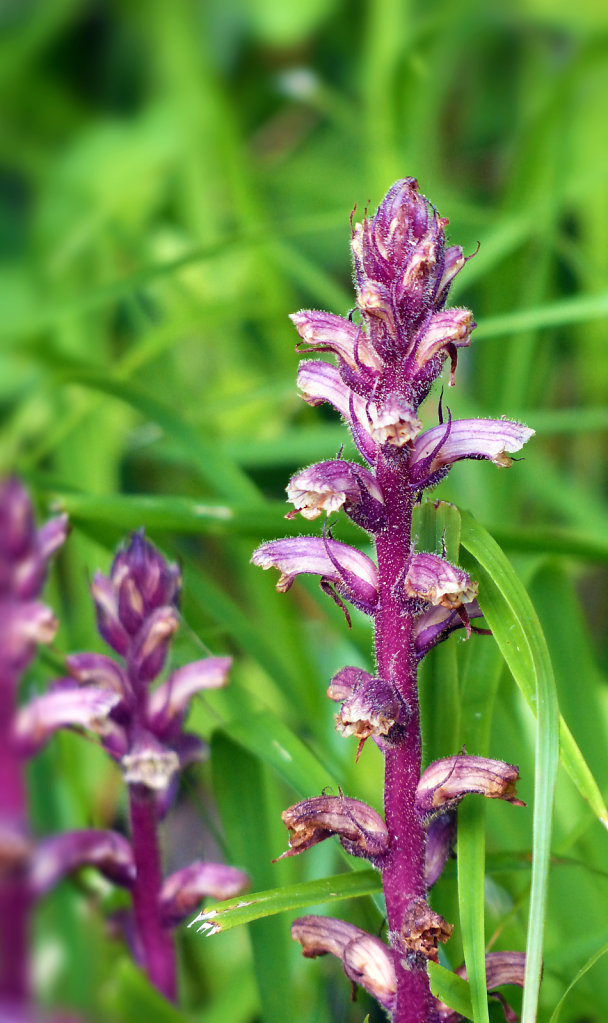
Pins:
x: 466, y: 438
x: 366, y: 959
x: 98, y: 670
x: 66, y: 705
x: 360, y: 829
x: 169, y: 702
x: 321, y: 382
x: 445, y: 782
x: 326, y: 332
x: 60, y: 855
x: 334, y: 561
x: 434, y: 580
x: 183, y: 891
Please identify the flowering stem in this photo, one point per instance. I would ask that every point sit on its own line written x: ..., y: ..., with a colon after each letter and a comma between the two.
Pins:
x: 14, y: 897
x: 403, y: 871
x: 153, y: 939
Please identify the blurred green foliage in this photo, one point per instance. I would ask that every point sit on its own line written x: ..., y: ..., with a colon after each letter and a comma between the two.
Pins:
x: 176, y: 176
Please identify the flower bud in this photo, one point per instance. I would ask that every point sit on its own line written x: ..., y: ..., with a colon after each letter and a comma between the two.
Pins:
x: 345, y: 681
x: 447, y: 781
x: 56, y: 857
x: 360, y: 829
x: 149, y: 649
x: 366, y: 959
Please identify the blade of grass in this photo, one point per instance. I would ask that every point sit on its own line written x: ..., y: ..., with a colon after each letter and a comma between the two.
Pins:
x: 505, y: 602
x: 222, y: 916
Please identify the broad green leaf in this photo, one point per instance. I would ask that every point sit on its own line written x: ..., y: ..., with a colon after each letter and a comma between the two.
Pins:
x: 451, y: 989
x: 510, y: 615
x: 222, y: 916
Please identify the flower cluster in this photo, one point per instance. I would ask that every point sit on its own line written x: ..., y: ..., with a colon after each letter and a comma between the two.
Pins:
x: 387, y: 358
x: 140, y: 726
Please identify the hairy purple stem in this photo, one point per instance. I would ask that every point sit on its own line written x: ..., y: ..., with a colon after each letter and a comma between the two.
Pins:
x: 403, y: 871
x: 153, y: 939
x: 14, y: 895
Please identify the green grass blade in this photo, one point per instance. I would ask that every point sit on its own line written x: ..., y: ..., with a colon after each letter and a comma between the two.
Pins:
x: 511, y: 638
x: 581, y: 973
x: 505, y: 602
x: 223, y: 916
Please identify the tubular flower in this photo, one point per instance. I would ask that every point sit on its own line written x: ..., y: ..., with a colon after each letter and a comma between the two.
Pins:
x: 360, y: 829
x: 329, y: 486
x: 447, y: 781
x: 384, y: 362
x: 366, y: 960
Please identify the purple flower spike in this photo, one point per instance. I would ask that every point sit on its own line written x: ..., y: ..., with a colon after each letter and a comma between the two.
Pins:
x: 360, y: 829
x: 353, y: 573
x: 183, y: 892
x: 387, y: 363
x: 56, y: 857
x: 431, y: 579
x: 66, y: 705
x: 140, y: 583
x: 366, y: 959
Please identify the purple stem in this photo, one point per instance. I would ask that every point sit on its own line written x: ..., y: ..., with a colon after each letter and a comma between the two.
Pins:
x: 153, y: 939
x: 403, y: 871
x: 14, y: 894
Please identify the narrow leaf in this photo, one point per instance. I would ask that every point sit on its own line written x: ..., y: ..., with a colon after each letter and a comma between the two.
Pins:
x: 223, y: 916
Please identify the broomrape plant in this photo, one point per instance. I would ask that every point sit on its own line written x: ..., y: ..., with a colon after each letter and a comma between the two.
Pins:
x: 387, y: 358
x: 139, y: 724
